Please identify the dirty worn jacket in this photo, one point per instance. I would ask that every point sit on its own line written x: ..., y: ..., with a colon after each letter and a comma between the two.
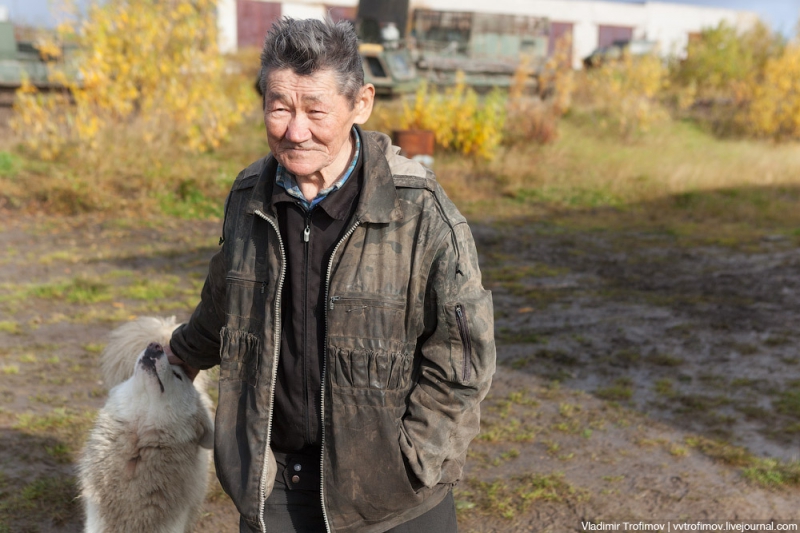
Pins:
x: 409, y: 345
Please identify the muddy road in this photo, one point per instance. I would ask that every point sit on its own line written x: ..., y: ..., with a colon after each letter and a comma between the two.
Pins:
x: 640, y: 378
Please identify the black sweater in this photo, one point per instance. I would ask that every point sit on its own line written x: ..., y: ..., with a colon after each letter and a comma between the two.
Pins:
x: 296, y: 418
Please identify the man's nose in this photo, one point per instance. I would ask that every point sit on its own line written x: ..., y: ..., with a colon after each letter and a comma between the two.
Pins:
x: 297, y: 130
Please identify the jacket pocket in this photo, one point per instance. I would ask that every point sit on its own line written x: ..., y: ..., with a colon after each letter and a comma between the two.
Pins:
x: 239, y: 355
x: 372, y: 466
x: 466, y: 342
x: 471, y: 330
x: 246, y: 297
x: 366, y: 317
x: 370, y: 369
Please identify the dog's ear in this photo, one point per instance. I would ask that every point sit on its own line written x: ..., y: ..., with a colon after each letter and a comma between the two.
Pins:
x: 205, y: 431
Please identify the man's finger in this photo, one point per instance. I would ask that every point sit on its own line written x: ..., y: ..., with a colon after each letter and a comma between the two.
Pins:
x: 173, y: 359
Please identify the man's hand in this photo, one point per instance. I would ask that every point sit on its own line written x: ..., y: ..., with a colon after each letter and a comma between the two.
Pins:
x: 173, y: 359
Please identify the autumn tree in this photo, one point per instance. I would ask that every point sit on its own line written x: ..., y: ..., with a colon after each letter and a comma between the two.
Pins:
x: 153, y: 63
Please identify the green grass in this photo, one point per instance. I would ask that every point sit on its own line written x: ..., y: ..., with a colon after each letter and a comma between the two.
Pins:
x: 189, y: 201
x: 8, y: 163
x: 506, y: 498
x: 664, y: 387
x: 621, y: 390
x: 150, y: 289
x: 68, y: 426
x: 508, y: 419
x: 27, y: 358
x: 61, y: 256
x: 678, y: 182
x: 722, y: 451
x: 662, y: 359
x: 507, y: 274
x: 93, y: 347
x: 9, y: 326
x: 627, y: 358
x: 79, y: 290
x: 54, y: 497
x: 788, y: 402
x: 773, y: 473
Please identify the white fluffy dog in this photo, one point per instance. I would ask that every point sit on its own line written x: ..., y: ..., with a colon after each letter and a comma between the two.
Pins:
x: 145, y: 464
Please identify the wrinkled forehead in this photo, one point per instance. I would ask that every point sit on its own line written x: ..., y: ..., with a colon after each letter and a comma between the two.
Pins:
x: 285, y: 84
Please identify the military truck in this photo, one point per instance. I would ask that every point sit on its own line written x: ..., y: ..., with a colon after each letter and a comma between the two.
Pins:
x: 436, y: 45
x: 391, y: 71
x: 486, y: 47
x: 19, y: 60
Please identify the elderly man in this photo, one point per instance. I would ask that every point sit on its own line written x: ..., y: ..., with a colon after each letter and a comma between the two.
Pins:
x: 345, y: 310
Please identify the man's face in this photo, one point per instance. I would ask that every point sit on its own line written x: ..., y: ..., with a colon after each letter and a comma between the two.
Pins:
x: 308, y: 122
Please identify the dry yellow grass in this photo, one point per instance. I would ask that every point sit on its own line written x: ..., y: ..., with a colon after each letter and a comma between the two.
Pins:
x: 677, y: 175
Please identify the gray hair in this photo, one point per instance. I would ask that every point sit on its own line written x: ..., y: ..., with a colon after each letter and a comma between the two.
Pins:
x: 307, y: 46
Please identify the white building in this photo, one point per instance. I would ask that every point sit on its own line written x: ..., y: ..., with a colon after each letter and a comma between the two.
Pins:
x: 592, y: 23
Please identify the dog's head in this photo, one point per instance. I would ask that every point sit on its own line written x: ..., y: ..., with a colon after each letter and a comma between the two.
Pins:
x: 160, y: 395
x: 160, y: 377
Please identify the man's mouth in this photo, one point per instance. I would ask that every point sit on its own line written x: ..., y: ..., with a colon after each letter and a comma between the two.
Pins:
x: 299, y: 149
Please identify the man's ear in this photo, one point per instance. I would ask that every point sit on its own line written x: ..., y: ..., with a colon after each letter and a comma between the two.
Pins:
x: 364, y: 103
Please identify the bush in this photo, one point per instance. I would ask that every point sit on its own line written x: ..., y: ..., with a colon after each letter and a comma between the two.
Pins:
x: 626, y: 93
x: 150, y: 61
x: 723, y: 60
x: 536, y: 119
x: 774, y: 97
x: 531, y: 120
x: 459, y: 119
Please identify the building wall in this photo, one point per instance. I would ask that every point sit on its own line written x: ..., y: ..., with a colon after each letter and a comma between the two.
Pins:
x: 243, y: 23
x: 669, y: 24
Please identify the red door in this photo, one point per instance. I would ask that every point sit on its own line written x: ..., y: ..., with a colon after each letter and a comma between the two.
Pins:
x: 609, y: 34
x: 338, y: 13
x: 557, y: 31
x: 254, y: 19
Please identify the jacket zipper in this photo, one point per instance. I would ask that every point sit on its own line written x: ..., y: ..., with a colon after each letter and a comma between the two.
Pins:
x: 276, y: 352
x: 324, y: 372
x: 306, y: 245
x: 263, y: 284
x: 466, y: 341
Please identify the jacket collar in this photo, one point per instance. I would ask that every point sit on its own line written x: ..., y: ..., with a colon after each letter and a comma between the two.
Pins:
x: 260, y: 198
x: 378, y: 201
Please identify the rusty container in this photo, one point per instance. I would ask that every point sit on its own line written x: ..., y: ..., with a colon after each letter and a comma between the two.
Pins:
x: 414, y: 142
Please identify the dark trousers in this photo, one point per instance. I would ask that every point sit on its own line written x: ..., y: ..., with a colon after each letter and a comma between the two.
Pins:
x: 294, y: 506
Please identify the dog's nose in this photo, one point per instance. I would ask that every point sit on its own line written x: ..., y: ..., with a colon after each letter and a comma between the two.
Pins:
x: 154, y: 350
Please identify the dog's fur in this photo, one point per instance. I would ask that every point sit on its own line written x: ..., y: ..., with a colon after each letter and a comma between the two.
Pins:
x: 145, y: 464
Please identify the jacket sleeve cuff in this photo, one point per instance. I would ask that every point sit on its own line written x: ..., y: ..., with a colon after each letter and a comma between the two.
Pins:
x: 197, y: 351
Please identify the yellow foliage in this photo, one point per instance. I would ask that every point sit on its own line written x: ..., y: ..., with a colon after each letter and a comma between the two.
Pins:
x: 521, y: 79
x: 154, y: 61
x: 774, y: 109
x: 558, y: 79
x: 535, y: 120
x: 458, y: 119
x: 48, y: 49
x: 627, y: 91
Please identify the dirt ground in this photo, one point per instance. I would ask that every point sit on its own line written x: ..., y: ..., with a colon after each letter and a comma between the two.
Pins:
x: 639, y: 378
